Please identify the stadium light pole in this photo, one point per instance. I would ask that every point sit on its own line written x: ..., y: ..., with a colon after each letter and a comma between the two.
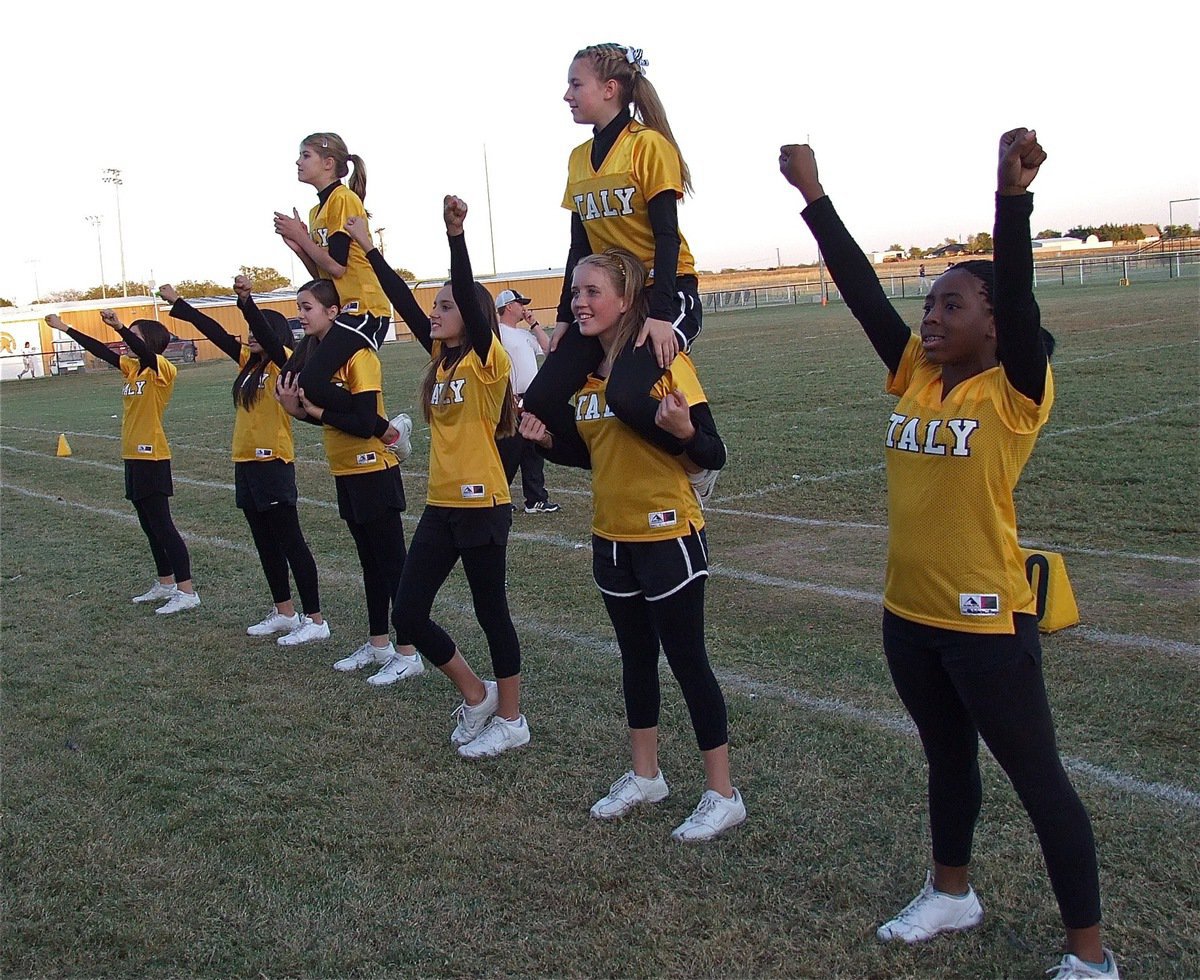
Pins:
x: 113, y: 176
x: 94, y: 221
x: 37, y: 290
x: 1171, y: 210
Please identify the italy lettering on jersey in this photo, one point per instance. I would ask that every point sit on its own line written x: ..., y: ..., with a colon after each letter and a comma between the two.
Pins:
x: 639, y: 492
x: 359, y: 289
x: 464, y: 461
x: 613, y: 201
x: 952, y: 465
x: 264, y: 430
x: 145, y: 394
x: 349, y: 454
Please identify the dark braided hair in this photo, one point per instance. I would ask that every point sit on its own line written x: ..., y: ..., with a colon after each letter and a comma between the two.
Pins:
x: 985, y: 271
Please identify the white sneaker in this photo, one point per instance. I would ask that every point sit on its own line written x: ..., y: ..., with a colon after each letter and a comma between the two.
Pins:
x: 306, y: 632
x: 178, y: 602
x: 702, y: 484
x: 714, y: 815
x: 499, y: 736
x: 364, y: 656
x: 397, y: 667
x: 472, y: 718
x: 402, y: 447
x: 276, y: 622
x: 157, y: 591
x: 931, y: 913
x: 627, y: 792
x: 1073, y: 968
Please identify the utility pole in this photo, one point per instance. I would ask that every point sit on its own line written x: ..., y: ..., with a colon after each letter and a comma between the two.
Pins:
x: 113, y: 176
x: 491, y: 229
x: 94, y: 221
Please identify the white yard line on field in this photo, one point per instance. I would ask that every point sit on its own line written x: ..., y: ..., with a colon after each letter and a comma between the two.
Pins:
x: 829, y: 707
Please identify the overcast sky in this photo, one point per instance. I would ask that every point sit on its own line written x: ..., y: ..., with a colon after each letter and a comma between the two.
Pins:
x: 202, y: 108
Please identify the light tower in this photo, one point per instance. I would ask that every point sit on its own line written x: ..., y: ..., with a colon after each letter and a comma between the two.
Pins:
x: 113, y: 176
x: 94, y: 221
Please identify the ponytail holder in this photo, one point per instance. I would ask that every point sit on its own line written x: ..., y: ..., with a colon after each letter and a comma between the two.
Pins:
x: 634, y: 57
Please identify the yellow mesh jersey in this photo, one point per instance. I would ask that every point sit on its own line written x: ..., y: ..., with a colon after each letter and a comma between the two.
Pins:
x: 146, y: 395
x: 952, y: 466
x: 639, y: 492
x: 349, y: 454
x: 264, y: 431
x: 464, y: 461
x: 613, y: 201
x: 358, y: 289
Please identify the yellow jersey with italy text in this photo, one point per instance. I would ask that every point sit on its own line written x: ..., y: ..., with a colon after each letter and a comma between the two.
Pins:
x: 613, y: 201
x: 464, y: 410
x: 349, y: 455
x: 146, y: 394
x: 263, y: 431
x: 359, y: 288
x: 952, y: 466
x: 639, y: 492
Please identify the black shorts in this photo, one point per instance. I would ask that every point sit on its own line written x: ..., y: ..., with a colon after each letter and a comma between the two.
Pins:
x: 984, y: 651
x: 654, y: 569
x: 688, y: 319
x: 146, y: 477
x: 363, y: 497
x: 260, y: 486
x: 466, y: 527
x: 372, y: 329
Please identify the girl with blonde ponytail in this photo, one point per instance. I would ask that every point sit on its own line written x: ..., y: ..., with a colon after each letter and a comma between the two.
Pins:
x: 649, y: 552
x: 623, y: 189
x: 328, y: 252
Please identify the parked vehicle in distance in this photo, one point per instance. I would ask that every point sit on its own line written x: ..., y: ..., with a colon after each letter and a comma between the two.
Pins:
x: 179, y: 351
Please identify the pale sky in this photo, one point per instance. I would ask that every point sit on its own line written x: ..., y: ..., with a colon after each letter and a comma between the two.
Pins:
x: 202, y: 107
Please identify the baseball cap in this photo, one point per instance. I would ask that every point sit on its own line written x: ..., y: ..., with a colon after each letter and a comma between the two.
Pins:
x: 510, y: 296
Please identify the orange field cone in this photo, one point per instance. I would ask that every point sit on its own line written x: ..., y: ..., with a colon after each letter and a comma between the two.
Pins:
x: 63, y: 448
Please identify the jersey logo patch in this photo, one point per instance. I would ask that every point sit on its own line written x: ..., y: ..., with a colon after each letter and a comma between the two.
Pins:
x: 975, y: 604
x: 663, y: 518
x: 143, y: 448
x: 365, y: 459
x: 264, y: 453
x: 472, y: 491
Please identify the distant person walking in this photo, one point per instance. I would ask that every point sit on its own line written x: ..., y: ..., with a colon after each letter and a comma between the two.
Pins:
x: 27, y: 360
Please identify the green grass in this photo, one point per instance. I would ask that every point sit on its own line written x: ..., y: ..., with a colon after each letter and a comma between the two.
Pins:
x: 181, y: 800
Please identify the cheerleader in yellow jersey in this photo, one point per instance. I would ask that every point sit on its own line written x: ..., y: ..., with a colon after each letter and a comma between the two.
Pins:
x: 149, y: 384
x: 263, y: 462
x: 649, y: 554
x: 328, y: 252
x: 623, y: 186
x: 468, y: 402
x: 370, y: 491
x: 959, y: 627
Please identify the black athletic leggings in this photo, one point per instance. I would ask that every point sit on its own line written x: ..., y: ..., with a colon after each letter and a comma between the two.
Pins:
x: 280, y: 543
x: 433, y: 556
x: 958, y: 686
x: 678, y: 620
x: 166, y: 544
x: 381, y: 552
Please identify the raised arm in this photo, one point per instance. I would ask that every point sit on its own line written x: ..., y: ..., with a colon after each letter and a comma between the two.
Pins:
x: 462, y: 279
x: 394, y: 286
x: 90, y: 344
x: 147, y: 358
x: 266, y: 337
x: 851, y: 270
x: 181, y: 309
x: 1019, y: 343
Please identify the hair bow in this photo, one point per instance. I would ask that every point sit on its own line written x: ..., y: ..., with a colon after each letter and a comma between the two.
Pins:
x: 634, y: 57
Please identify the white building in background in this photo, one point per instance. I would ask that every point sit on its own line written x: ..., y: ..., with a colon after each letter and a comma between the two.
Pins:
x: 1069, y: 244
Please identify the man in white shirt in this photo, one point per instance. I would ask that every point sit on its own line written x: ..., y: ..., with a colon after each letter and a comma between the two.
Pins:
x: 525, y: 341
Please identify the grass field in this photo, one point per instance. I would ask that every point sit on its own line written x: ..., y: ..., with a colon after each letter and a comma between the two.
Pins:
x: 182, y: 800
